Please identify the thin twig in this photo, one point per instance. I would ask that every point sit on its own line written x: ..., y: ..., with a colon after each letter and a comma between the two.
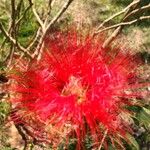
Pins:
x: 24, y: 13
x: 12, y: 40
x: 40, y: 46
x: 5, y: 39
x: 12, y: 32
x: 35, y: 39
x: 102, y: 141
x: 119, y: 29
x: 58, y: 15
x: 18, y: 8
x: 119, y: 13
x: 38, y: 18
x: 138, y: 10
x: 50, y: 3
x: 124, y: 23
x: 53, y: 2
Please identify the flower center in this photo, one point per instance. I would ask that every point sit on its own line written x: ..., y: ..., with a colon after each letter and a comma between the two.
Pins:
x: 74, y: 87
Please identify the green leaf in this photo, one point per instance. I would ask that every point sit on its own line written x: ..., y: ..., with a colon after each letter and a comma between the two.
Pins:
x: 146, y: 110
x: 133, y: 141
x: 144, y: 117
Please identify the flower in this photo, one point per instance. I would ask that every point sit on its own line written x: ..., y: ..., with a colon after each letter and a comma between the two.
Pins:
x: 77, y: 89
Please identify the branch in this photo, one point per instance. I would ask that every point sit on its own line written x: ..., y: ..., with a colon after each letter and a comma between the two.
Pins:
x: 12, y: 40
x: 18, y: 8
x: 52, y: 2
x: 118, y: 30
x: 40, y: 46
x: 24, y: 13
x: 35, y: 39
x: 112, y: 37
x: 13, y: 19
x: 138, y: 10
x: 5, y: 39
x: 38, y: 18
x: 12, y: 32
x: 50, y: 5
x: 124, y: 24
x: 119, y: 13
x: 58, y: 15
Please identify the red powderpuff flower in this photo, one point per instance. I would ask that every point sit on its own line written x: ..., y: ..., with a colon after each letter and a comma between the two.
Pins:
x: 78, y: 89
